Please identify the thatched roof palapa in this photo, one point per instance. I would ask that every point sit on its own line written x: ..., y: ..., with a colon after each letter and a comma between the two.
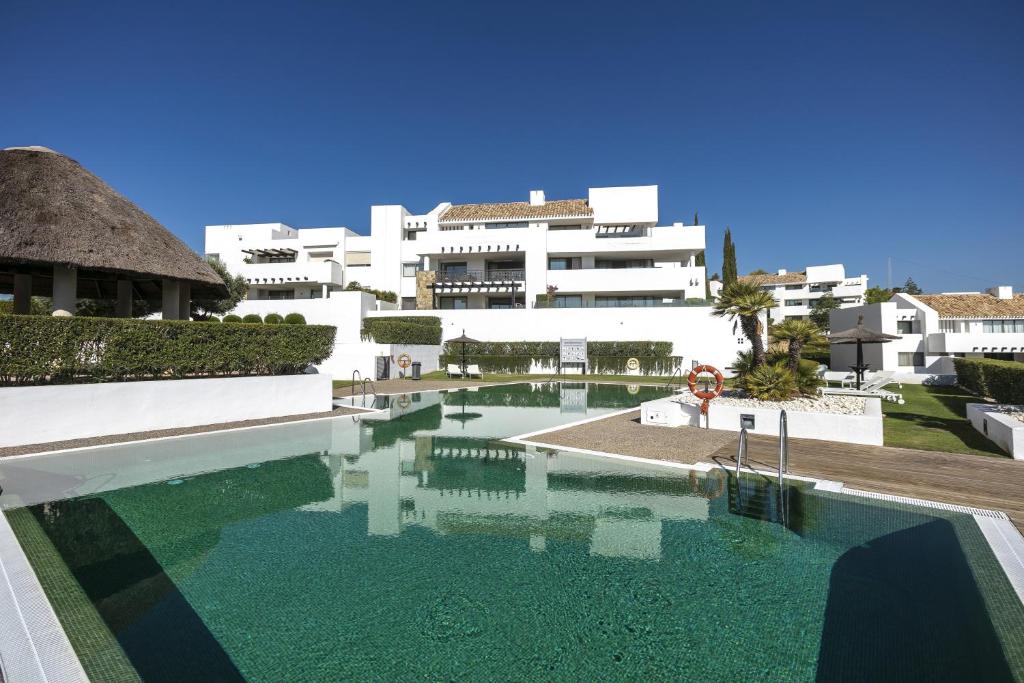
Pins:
x: 55, y: 212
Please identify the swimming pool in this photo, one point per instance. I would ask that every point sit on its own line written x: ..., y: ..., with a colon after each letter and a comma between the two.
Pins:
x: 425, y: 545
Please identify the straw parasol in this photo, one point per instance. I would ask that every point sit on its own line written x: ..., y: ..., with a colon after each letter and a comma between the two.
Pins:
x: 861, y: 335
x: 463, y: 339
x: 55, y: 214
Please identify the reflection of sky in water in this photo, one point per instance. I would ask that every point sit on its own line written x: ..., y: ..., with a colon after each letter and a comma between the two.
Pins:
x: 424, y: 547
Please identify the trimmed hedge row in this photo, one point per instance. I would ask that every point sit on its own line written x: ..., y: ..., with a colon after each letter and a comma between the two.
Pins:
x: 603, y: 357
x: 410, y: 329
x: 1002, y: 380
x: 48, y: 350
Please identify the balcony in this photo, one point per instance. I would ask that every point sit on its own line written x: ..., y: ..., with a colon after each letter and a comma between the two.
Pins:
x: 463, y: 277
x: 966, y: 342
x: 664, y: 238
x: 322, y: 272
x: 629, y: 280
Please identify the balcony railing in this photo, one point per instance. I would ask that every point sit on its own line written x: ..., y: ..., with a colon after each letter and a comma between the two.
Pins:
x: 481, y: 276
x: 671, y: 303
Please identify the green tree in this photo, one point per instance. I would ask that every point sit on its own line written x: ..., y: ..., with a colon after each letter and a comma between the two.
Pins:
x: 204, y: 307
x: 798, y: 333
x: 759, y: 271
x: 820, y: 310
x: 696, y: 220
x: 729, y: 273
x: 910, y: 287
x: 877, y: 295
x: 701, y: 262
x: 746, y: 301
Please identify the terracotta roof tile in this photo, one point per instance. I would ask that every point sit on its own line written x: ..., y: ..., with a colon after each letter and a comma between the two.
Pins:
x: 974, y: 305
x: 555, y: 208
x: 768, y: 279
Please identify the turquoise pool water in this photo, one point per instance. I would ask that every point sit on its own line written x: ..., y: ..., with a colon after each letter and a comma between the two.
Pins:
x: 420, y: 546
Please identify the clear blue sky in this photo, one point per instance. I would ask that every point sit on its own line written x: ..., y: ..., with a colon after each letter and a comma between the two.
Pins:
x: 819, y: 132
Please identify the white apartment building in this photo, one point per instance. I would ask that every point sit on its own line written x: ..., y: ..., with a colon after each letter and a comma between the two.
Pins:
x: 795, y: 293
x: 936, y: 328
x: 604, y: 251
x: 493, y: 270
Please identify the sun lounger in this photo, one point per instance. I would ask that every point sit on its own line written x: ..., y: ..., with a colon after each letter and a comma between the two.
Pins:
x: 876, y: 392
x: 474, y: 371
x: 843, y: 378
x: 453, y: 370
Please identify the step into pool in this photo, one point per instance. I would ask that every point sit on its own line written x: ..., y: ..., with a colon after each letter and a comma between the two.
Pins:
x: 426, y: 546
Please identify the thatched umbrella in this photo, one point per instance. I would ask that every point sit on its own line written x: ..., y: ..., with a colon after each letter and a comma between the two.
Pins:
x: 861, y: 335
x: 463, y: 339
x: 62, y: 230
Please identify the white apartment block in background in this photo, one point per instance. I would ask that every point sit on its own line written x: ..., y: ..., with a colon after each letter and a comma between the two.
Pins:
x: 936, y: 328
x: 604, y: 251
x: 795, y: 293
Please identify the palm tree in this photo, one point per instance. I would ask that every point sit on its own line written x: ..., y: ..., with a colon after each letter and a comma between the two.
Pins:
x: 745, y: 301
x: 798, y: 333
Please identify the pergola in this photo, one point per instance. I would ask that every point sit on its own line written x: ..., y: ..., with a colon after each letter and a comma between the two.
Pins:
x: 66, y: 234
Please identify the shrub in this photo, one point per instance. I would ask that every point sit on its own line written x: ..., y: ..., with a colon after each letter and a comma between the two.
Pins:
x: 295, y: 319
x: 603, y: 357
x: 44, y: 349
x: 770, y: 383
x: 232, y: 318
x: 807, y: 380
x: 1001, y: 380
x: 252, y: 319
x: 273, y: 319
x: 212, y: 319
x: 382, y: 294
x: 409, y: 329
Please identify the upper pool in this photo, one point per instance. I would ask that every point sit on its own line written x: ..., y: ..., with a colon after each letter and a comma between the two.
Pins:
x: 424, y: 547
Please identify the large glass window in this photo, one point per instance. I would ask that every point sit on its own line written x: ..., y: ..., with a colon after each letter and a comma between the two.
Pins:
x: 280, y: 293
x: 1003, y: 326
x: 794, y: 302
x: 410, y: 269
x: 905, y: 326
x: 626, y: 301
x: 565, y: 263
x: 624, y: 263
x: 569, y: 301
x: 454, y: 302
x: 454, y: 268
x: 911, y: 359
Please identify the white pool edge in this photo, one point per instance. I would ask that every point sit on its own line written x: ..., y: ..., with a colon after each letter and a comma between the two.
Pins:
x: 33, y: 645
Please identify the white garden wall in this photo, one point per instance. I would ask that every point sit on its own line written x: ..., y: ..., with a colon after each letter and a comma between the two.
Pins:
x: 862, y: 429
x: 30, y: 415
x: 1001, y: 429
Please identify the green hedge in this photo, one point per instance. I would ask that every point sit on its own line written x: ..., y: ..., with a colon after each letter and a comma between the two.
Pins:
x: 1001, y: 380
x: 295, y: 319
x: 603, y: 357
x: 43, y: 349
x: 409, y: 329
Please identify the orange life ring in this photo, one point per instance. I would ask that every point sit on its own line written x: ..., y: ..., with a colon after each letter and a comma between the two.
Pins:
x: 706, y: 395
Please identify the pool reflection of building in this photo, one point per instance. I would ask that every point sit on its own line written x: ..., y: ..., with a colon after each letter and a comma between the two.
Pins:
x: 466, y: 485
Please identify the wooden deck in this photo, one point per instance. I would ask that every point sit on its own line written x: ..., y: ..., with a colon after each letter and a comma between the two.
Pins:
x: 974, y: 480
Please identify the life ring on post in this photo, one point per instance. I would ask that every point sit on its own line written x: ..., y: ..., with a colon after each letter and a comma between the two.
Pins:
x: 404, y: 361
x: 705, y: 395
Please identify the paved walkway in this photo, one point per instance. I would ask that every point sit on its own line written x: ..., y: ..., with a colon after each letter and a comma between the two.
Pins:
x: 979, y: 481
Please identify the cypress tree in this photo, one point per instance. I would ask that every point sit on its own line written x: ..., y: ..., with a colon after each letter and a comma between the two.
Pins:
x: 696, y: 221
x: 729, y: 272
x: 701, y: 262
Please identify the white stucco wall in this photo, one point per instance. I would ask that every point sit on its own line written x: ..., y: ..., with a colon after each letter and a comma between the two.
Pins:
x: 862, y: 429
x: 696, y: 335
x: 41, y: 414
x: 1001, y: 429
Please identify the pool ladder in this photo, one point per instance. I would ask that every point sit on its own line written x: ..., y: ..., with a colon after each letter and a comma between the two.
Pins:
x: 741, y: 455
x: 672, y: 378
x: 358, y: 379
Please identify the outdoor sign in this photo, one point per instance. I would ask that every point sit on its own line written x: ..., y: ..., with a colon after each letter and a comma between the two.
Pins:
x: 573, y: 352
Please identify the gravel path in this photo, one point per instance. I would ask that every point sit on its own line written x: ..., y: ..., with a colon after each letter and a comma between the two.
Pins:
x: 1013, y: 412
x: 829, y: 403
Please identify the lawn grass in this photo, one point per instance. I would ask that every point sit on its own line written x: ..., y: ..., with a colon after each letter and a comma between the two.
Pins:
x: 935, y: 419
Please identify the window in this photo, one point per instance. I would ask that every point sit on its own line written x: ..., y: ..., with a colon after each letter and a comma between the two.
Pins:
x: 280, y: 293
x: 1002, y: 326
x: 908, y: 359
x: 792, y: 287
x: 794, y: 302
x: 573, y: 263
x: 626, y: 301
x: 503, y: 302
x: 410, y: 269
x: 569, y: 301
x: 454, y: 302
x: 502, y: 226
x: 624, y: 263
x: 408, y: 303
x: 316, y: 293
x: 905, y: 326
x: 454, y: 268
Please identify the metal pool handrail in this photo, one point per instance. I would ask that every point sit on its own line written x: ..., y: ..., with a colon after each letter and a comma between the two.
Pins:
x: 783, y: 446
x: 373, y: 388
x: 355, y: 373
x: 741, y: 453
x: 672, y: 377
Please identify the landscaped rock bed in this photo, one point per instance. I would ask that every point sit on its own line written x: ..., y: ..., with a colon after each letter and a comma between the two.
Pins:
x: 1012, y: 412
x: 840, y: 405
